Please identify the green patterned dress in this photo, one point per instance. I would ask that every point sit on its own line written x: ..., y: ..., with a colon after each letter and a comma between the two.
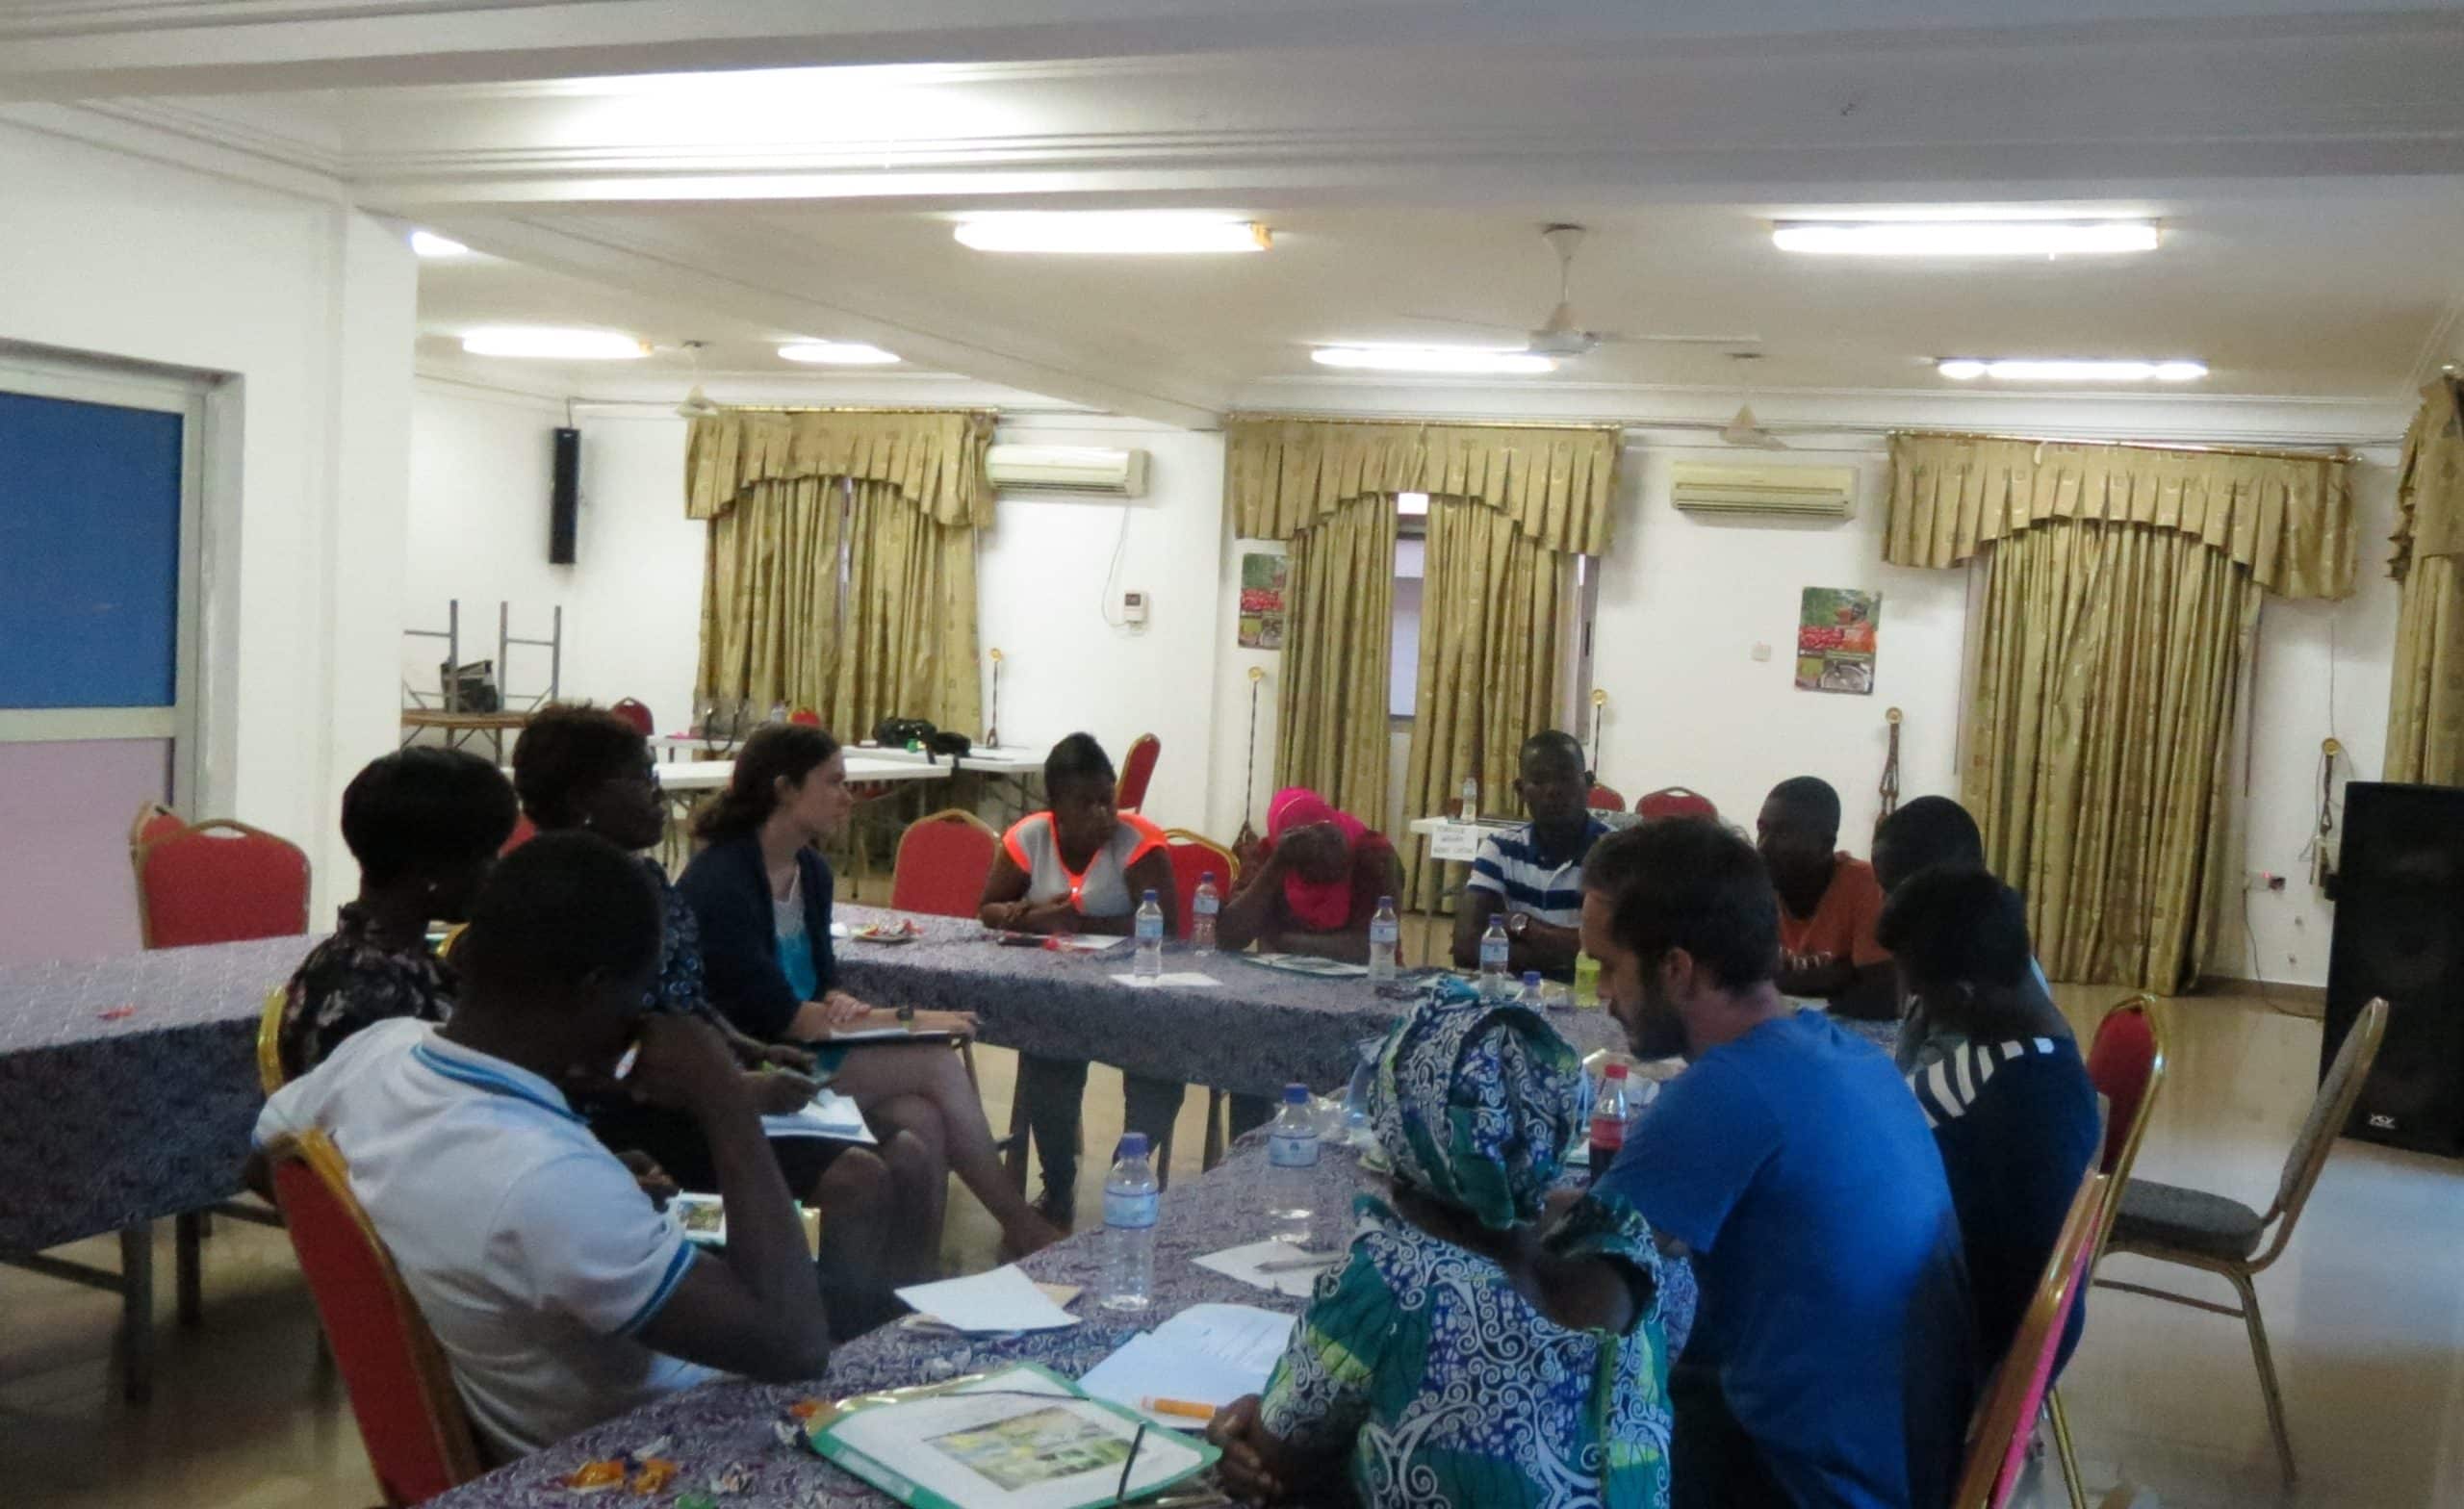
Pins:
x: 1450, y: 1388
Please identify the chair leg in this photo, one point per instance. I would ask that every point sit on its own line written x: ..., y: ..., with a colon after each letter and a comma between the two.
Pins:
x: 188, y: 1230
x: 2269, y: 1388
x: 137, y: 1313
x: 2062, y: 1448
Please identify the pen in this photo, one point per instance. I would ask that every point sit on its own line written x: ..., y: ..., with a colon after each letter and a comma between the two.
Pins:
x: 1317, y: 1260
x: 625, y: 1064
x: 1181, y: 1408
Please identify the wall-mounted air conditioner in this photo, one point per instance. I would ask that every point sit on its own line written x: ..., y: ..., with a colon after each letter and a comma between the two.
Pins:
x: 1067, y: 469
x: 1764, y: 491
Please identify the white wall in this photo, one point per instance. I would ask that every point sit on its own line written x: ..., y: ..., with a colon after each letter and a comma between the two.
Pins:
x: 479, y: 530
x: 303, y: 308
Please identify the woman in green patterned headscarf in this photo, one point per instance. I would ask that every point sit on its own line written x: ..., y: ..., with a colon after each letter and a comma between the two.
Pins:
x: 1467, y: 1352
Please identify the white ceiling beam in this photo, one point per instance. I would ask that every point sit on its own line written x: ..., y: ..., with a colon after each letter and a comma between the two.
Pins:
x: 758, y: 284
x: 73, y: 49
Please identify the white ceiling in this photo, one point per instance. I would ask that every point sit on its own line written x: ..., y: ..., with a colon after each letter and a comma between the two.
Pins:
x: 2305, y: 155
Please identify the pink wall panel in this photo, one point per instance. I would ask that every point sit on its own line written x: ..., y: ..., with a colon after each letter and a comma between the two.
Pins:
x: 64, y: 809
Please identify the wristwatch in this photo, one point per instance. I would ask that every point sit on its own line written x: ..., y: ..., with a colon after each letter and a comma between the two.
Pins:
x: 1518, y: 924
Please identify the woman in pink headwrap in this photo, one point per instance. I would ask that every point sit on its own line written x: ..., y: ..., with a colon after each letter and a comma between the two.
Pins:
x: 1316, y: 885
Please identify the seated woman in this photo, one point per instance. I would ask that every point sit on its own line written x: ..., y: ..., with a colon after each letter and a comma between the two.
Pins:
x: 1081, y: 867
x: 585, y: 768
x: 1464, y: 1355
x: 762, y: 896
x: 2012, y: 1109
x: 1317, y: 883
x: 424, y: 825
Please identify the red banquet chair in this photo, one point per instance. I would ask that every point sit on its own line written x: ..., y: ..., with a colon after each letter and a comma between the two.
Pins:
x: 1137, y: 771
x: 1605, y: 798
x: 1675, y: 801
x: 411, y: 1420
x: 636, y: 713
x: 942, y: 861
x: 220, y: 882
x: 1997, y: 1449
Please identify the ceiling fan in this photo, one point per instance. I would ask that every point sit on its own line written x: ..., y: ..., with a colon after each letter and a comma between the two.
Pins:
x: 1563, y: 334
x: 697, y: 404
x: 1744, y: 430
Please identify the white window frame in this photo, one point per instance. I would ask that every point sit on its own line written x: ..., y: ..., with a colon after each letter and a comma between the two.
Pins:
x: 96, y: 382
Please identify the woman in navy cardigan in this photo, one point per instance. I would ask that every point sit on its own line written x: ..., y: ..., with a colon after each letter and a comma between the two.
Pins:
x: 763, y: 895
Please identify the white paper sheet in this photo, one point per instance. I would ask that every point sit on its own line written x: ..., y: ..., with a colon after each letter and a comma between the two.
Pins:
x: 1242, y: 1262
x: 828, y: 1115
x: 1002, y: 1300
x: 1207, y: 1354
x: 1185, y: 976
x: 1078, y: 942
x: 1456, y: 842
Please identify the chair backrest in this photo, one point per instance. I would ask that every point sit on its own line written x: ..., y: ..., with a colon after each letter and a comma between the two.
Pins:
x: 807, y: 717
x: 1192, y: 858
x: 270, y: 1075
x: 221, y: 882
x: 412, y: 1422
x: 1675, y: 801
x: 2328, y: 1112
x: 2005, y: 1417
x: 636, y: 713
x: 153, y: 821
x: 524, y: 830
x: 1606, y: 799
x: 942, y: 861
x: 1137, y: 770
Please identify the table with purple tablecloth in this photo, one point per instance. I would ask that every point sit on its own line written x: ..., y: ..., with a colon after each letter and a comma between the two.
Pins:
x: 720, y: 1425
x: 1256, y: 1032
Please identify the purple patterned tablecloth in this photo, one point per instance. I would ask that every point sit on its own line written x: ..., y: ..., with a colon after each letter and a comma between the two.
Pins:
x: 720, y: 1425
x: 106, y: 1122
x: 1258, y: 1031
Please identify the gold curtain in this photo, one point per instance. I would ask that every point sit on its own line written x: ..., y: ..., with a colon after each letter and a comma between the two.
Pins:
x: 1332, y: 708
x: 2286, y: 520
x: 839, y: 567
x: 2100, y: 741
x: 2426, y: 701
x: 1492, y: 649
x: 1282, y: 476
x: 907, y: 639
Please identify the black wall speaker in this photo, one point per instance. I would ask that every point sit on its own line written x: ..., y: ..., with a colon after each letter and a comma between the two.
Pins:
x: 2400, y: 934
x: 564, y: 499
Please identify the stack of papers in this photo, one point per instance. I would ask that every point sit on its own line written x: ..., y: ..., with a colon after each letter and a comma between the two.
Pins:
x: 829, y: 1114
x: 1001, y: 1302
x: 1207, y: 1354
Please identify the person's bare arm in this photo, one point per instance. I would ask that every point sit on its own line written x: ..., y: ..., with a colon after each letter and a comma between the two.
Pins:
x: 1473, y: 910
x: 1005, y: 891
x: 1153, y: 872
x: 1545, y: 947
x: 1260, y: 1466
x: 1248, y: 917
x: 758, y: 1310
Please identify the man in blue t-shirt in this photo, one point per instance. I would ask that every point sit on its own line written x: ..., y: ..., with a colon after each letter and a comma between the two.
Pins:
x: 1833, y: 1363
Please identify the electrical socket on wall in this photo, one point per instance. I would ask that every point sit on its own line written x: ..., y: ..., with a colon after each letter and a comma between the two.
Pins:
x: 2265, y: 881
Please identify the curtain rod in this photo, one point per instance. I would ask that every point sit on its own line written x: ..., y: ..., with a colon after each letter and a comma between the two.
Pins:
x: 854, y: 408
x: 1242, y: 417
x: 2260, y: 452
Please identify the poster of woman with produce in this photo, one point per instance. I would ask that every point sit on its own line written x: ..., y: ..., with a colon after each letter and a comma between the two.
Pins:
x: 1835, y: 639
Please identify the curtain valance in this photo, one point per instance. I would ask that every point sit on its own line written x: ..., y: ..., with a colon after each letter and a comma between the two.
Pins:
x: 935, y: 459
x: 2429, y: 483
x: 1283, y: 476
x: 2288, y: 520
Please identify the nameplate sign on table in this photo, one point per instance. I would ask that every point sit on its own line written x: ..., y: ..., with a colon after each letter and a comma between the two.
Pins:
x: 1459, y: 842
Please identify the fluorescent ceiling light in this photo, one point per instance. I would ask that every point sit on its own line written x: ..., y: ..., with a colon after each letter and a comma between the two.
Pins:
x: 568, y: 345
x: 837, y: 353
x: 1967, y: 237
x: 1432, y: 359
x: 1134, y: 233
x: 1967, y: 368
x: 429, y: 243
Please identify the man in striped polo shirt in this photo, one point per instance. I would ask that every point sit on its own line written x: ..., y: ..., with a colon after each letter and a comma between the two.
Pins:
x: 1534, y: 874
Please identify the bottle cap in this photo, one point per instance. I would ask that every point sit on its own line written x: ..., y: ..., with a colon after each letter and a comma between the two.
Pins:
x: 1150, y: 894
x: 1385, y: 901
x: 1133, y: 1144
x: 1532, y: 980
x: 1296, y: 1095
x: 1206, y: 878
x: 1615, y: 1071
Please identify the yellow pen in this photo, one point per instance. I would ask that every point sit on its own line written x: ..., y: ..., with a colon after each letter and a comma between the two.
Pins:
x: 1182, y: 1408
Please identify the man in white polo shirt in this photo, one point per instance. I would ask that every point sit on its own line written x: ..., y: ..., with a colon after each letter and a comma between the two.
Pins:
x: 562, y: 1296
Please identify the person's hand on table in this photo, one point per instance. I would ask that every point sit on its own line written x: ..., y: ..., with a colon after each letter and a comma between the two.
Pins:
x: 649, y: 1176
x: 1006, y: 915
x: 779, y: 1093
x: 1242, y: 1472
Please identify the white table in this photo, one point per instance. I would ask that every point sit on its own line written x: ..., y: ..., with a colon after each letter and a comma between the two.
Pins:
x: 864, y: 767
x: 984, y: 759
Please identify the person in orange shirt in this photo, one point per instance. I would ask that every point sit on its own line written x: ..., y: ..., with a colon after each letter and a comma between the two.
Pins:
x: 1829, y: 904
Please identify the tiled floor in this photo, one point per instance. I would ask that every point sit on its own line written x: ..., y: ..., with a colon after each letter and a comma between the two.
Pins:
x: 2367, y: 1315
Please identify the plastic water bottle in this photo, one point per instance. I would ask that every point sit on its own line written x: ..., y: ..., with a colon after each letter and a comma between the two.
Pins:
x: 1150, y: 938
x: 778, y: 712
x: 1586, y: 981
x: 1364, y: 1071
x: 1130, y: 1199
x: 1530, y: 995
x: 1471, y: 799
x: 1385, y: 942
x: 1203, y: 910
x: 1608, y: 1117
x: 1494, y: 949
x: 1291, y: 1166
